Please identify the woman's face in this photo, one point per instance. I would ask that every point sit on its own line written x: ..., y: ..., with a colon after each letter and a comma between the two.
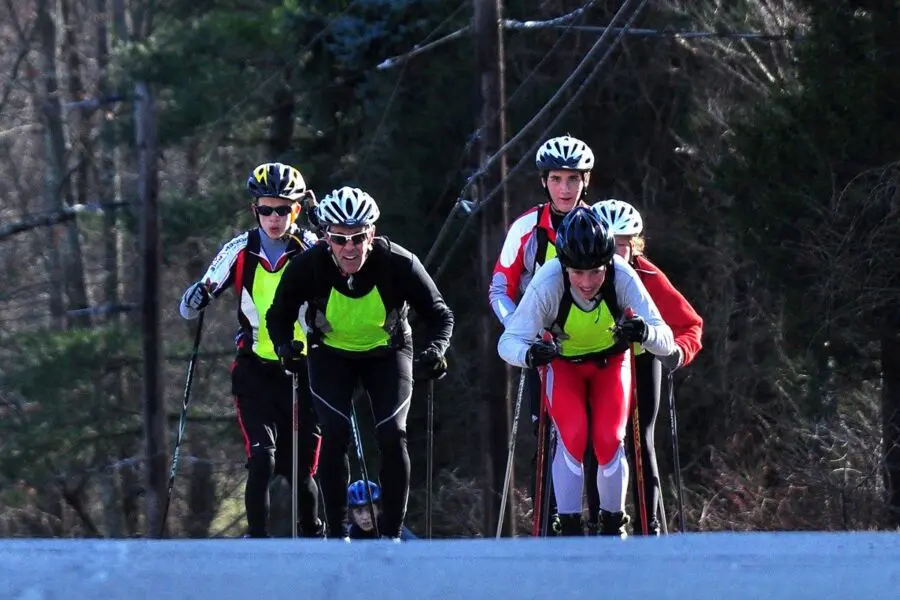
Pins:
x: 623, y: 246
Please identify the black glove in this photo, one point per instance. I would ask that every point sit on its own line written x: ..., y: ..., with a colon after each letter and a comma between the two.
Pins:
x: 632, y: 330
x: 429, y: 364
x: 197, y: 296
x: 290, y: 356
x: 541, y: 353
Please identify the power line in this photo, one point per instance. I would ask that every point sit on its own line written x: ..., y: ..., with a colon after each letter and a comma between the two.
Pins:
x: 477, y: 207
x: 63, y: 215
x: 663, y: 33
x: 394, y: 93
x: 466, y: 205
x: 557, y: 23
x: 419, y: 49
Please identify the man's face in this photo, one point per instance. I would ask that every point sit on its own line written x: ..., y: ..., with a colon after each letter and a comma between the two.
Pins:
x: 274, y: 215
x: 587, y: 282
x: 350, y: 246
x: 565, y: 188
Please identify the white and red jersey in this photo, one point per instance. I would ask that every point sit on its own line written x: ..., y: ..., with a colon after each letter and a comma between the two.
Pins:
x: 530, y: 242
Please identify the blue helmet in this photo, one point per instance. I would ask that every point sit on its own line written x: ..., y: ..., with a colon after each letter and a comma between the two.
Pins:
x: 356, y: 493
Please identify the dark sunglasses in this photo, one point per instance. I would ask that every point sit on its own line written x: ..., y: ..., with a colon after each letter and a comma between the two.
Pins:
x: 266, y: 211
x: 341, y: 240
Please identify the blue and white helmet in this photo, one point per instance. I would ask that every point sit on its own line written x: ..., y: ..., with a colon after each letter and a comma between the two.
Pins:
x: 348, y: 206
x: 620, y: 217
x: 356, y: 493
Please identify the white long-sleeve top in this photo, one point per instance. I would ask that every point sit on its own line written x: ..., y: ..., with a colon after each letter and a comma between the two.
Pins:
x: 539, y: 306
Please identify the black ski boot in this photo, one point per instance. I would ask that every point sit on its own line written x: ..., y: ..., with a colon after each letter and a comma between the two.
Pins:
x: 570, y: 525
x: 613, y: 524
x: 316, y: 530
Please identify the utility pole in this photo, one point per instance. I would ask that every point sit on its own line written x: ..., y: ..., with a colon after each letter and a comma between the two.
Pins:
x: 495, y: 420
x: 154, y: 404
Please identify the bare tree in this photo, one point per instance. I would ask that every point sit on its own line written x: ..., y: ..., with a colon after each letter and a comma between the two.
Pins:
x: 67, y: 269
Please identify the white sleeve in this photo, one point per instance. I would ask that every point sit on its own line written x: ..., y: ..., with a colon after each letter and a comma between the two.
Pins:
x: 499, y: 293
x: 535, y: 312
x: 631, y: 293
x: 503, y: 305
x: 219, y: 274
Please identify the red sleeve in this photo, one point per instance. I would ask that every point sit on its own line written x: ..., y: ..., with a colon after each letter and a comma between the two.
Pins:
x: 676, y: 311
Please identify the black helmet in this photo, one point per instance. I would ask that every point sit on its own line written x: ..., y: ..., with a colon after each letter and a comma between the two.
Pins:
x: 583, y: 241
x: 276, y: 180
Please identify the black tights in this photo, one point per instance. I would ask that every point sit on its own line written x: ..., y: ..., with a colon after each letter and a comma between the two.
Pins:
x: 388, y: 381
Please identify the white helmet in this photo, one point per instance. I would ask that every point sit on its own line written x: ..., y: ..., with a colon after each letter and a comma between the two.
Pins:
x: 348, y: 206
x: 564, y: 153
x: 620, y: 217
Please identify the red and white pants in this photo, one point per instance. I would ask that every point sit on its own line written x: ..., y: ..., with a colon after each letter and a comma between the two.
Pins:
x: 572, y: 390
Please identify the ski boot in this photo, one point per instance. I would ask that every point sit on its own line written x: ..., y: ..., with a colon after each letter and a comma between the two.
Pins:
x: 554, y: 527
x: 256, y: 534
x: 570, y: 525
x: 315, y: 531
x: 613, y: 524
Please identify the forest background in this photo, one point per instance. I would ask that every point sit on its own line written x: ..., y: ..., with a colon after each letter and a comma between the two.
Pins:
x: 759, y: 139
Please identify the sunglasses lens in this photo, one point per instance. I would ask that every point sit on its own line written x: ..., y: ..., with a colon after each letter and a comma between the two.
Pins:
x: 266, y: 211
x: 341, y: 240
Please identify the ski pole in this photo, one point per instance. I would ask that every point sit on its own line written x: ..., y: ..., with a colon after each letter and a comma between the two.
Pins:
x: 354, y: 425
x: 295, y: 443
x: 182, y: 422
x: 641, y: 500
x: 549, y: 455
x: 674, y: 424
x: 512, y: 449
x: 429, y: 459
x: 663, y: 518
x: 538, y: 503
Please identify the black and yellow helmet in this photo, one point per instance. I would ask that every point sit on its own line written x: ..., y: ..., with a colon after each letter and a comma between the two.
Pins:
x: 276, y: 180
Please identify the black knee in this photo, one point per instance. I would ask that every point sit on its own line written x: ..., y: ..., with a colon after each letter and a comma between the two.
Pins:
x: 261, y: 464
x: 389, y: 435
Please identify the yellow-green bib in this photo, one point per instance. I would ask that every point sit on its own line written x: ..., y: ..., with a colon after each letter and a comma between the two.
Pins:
x: 264, y: 286
x: 587, y: 332
x: 355, y: 324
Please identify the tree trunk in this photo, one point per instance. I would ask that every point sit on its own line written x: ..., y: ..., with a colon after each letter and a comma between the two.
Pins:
x: 281, y: 130
x: 82, y: 126
x: 106, y: 188
x: 489, y: 55
x: 154, y: 403
x: 70, y: 267
x: 46, y: 95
